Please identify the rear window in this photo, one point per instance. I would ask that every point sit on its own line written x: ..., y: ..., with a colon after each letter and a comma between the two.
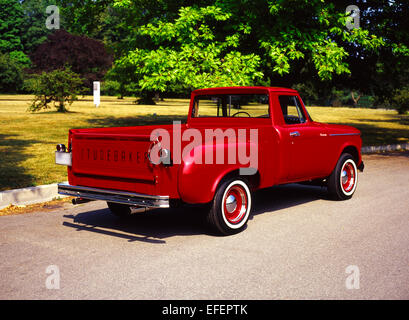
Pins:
x: 232, y: 105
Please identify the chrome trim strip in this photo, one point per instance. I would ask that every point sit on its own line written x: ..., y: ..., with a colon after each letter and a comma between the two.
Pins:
x: 344, y: 134
x: 129, y: 198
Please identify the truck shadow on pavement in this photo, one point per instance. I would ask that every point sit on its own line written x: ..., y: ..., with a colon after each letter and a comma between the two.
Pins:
x: 152, y: 226
x: 156, y: 225
x: 286, y: 196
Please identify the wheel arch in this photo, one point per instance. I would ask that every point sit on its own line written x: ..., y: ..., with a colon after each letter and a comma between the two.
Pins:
x: 253, y: 180
x: 198, y: 181
x: 353, y: 151
x: 193, y: 189
x: 346, y: 148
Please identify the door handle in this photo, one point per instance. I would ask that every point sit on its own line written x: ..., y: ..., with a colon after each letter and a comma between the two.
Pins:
x: 294, y: 134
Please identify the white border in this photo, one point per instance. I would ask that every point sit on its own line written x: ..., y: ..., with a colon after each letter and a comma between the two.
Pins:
x: 246, y: 215
x: 356, y: 177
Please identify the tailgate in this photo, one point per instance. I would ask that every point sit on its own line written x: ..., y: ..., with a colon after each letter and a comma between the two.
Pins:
x: 112, y: 155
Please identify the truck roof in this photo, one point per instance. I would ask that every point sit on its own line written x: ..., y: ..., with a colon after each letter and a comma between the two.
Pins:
x: 248, y: 89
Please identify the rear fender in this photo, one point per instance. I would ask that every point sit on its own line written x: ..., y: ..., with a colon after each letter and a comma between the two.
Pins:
x: 198, y: 180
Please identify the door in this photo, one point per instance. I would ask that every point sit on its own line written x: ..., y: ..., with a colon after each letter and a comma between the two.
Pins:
x: 305, y: 139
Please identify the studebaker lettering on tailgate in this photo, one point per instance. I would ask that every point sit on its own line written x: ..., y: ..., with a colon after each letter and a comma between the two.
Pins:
x: 236, y: 140
x: 92, y: 154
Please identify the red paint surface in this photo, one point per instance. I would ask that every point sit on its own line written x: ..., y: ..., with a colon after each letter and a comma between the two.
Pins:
x: 115, y: 158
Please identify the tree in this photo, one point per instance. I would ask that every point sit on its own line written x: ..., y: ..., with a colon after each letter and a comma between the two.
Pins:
x: 188, y: 55
x: 115, y: 25
x: 86, y: 57
x: 381, y: 72
x: 11, y: 74
x: 293, y: 41
x: 83, y: 17
x: 401, y: 99
x: 124, y: 75
x: 235, y: 42
x: 11, y: 21
x: 355, y: 98
x: 35, y: 30
x: 59, y: 86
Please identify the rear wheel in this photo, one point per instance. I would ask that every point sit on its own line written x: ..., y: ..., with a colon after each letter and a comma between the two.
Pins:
x: 343, y: 180
x: 231, y: 206
x: 120, y: 210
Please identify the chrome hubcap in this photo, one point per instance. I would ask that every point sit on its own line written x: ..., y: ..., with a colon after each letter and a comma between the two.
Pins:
x: 344, y: 177
x: 235, y: 204
x: 231, y: 203
x: 348, y: 177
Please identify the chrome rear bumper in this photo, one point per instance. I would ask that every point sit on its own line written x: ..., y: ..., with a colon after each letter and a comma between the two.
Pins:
x: 129, y: 198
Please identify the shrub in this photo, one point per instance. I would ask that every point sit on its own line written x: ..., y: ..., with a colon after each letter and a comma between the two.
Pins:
x: 60, y: 86
x: 21, y: 58
x: 11, y: 74
x: 110, y: 88
x: 401, y: 100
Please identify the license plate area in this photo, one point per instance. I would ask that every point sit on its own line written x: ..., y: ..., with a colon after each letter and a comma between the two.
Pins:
x: 63, y: 158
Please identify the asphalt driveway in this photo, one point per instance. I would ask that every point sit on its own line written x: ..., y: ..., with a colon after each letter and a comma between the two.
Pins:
x: 298, y: 244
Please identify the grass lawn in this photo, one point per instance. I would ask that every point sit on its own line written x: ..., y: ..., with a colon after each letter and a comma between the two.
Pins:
x: 27, y: 140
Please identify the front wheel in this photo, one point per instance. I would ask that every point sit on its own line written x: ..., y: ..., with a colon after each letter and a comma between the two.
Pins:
x: 343, y: 180
x: 231, y: 206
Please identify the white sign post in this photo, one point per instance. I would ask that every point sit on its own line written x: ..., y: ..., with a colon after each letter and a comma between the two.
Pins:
x: 97, y: 96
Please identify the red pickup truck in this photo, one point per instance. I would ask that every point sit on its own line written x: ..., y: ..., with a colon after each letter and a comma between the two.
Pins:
x: 236, y: 140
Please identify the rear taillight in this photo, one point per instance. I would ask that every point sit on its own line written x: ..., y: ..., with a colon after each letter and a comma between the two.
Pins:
x: 61, y: 148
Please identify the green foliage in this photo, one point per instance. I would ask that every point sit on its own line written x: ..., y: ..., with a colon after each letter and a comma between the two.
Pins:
x: 100, y: 20
x: 177, y: 45
x: 11, y: 22
x: 188, y: 55
x: 401, y: 100
x: 35, y: 30
x: 313, y: 31
x: 11, y: 74
x: 237, y: 42
x: 308, y: 93
x: 82, y: 16
x: 21, y: 58
x: 62, y: 86
x: 110, y: 88
x: 341, y: 97
x: 123, y: 73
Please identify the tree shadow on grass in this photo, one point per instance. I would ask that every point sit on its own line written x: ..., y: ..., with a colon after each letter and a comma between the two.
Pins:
x: 373, y: 135
x: 48, y: 112
x: 12, y: 173
x: 393, y: 118
x: 14, y: 99
x: 135, y: 121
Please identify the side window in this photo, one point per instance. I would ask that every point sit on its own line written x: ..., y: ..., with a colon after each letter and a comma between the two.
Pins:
x: 292, y: 110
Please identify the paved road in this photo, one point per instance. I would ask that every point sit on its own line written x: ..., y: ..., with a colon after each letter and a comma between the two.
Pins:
x: 297, y: 245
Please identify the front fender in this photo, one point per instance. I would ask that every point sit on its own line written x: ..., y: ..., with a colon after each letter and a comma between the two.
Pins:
x: 352, y: 146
